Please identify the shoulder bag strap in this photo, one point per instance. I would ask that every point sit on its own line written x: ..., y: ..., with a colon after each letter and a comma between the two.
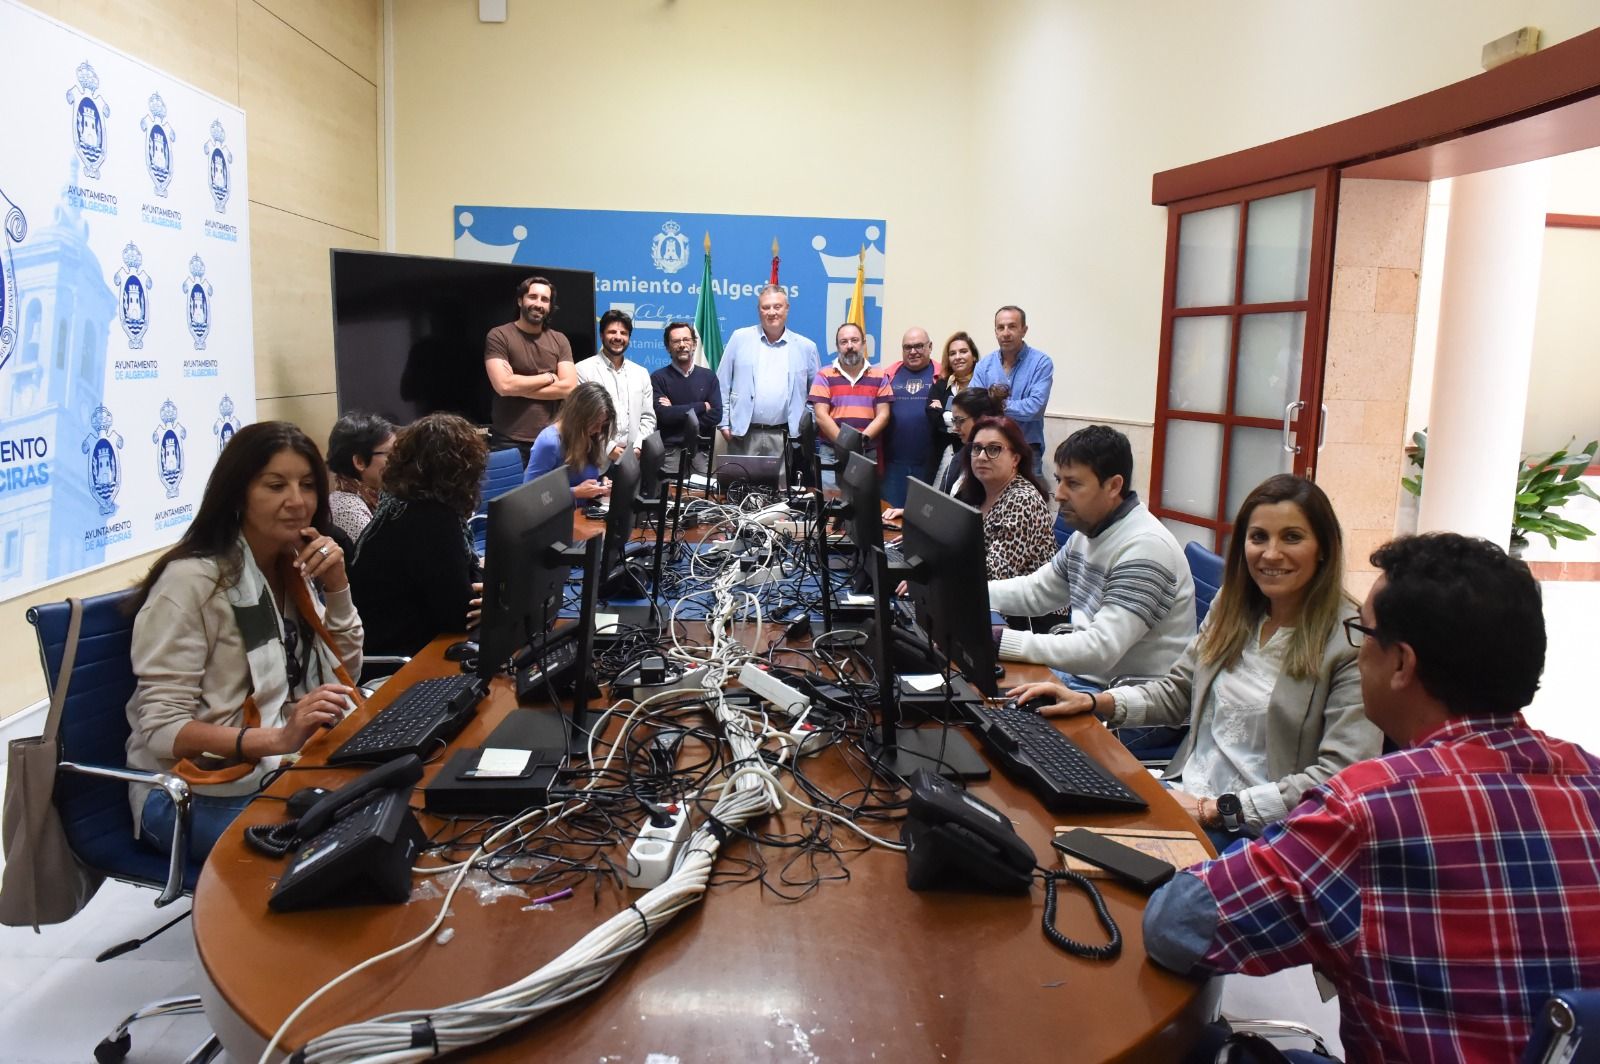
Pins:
x: 69, y: 656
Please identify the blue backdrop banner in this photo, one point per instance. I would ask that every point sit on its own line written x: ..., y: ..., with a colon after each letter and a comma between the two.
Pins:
x: 648, y: 263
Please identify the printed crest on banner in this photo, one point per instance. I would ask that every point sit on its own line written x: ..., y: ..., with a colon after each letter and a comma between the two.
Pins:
x: 670, y: 248
x: 133, y: 296
x: 159, y: 137
x: 219, y: 166
x: 105, y: 467
x: 89, y: 114
x: 168, y: 438
x: 15, y: 226
x: 226, y: 424
x: 197, y: 296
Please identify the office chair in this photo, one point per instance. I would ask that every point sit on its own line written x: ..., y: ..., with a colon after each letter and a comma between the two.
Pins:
x: 91, y: 791
x: 503, y: 473
x: 1206, y: 568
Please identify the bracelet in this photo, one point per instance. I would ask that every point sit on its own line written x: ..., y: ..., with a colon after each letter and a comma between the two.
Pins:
x: 238, y: 744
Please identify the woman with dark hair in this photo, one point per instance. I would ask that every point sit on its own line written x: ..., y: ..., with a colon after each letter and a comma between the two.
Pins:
x: 414, y: 570
x: 358, y: 449
x: 960, y: 358
x: 1269, y: 687
x: 578, y: 439
x: 997, y: 477
x: 965, y: 411
x: 237, y: 663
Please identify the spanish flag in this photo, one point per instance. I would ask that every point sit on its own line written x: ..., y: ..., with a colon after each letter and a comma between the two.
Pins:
x: 858, y: 303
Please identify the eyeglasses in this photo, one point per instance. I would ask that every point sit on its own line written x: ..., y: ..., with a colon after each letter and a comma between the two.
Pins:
x: 1357, y: 633
x: 377, y: 454
x: 989, y: 450
x: 915, y: 347
x: 959, y: 419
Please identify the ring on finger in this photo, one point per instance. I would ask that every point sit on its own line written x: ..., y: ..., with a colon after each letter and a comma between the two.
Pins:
x: 323, y: 550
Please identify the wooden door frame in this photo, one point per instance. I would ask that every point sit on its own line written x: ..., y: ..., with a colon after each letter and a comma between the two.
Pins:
x: 1319, y: 286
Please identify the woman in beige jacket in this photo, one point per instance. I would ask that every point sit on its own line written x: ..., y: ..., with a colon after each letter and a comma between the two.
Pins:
x: 1269, y: 686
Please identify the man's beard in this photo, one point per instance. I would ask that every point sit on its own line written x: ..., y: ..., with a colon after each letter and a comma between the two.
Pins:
x: 852, y: 363
x: 534, y: 316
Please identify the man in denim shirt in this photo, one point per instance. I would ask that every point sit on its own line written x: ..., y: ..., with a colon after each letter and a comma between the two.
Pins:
x: 1027, y: 371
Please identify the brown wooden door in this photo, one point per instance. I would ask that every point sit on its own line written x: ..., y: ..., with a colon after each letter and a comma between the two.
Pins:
x: 1243, y: 328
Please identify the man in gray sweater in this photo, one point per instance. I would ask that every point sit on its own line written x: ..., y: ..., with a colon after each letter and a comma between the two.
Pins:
x: 1123, y: 574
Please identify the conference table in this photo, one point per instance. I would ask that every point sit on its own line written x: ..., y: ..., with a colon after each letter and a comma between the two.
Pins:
x: 862, y: 969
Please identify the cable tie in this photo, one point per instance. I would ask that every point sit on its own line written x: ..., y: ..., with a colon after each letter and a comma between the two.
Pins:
x: 640, y: 913
x: 423, y: 1036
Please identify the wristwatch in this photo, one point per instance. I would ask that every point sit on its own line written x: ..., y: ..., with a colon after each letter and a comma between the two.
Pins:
x: 1230, y: 814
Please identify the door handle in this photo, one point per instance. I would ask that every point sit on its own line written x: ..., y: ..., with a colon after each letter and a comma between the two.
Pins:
x: 1322, y: 429
x: 1289, y: 413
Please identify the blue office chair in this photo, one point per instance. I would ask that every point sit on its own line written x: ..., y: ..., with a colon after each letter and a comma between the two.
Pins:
x: 503, y: 473
x: 1206, y: 568
x: 91, y: 791
x: 1061, y: 530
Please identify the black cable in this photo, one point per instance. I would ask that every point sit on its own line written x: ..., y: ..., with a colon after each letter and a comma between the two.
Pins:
x: 1111, y: 949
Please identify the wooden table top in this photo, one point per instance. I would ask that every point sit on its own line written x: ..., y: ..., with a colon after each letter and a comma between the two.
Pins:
x: 863, y: 969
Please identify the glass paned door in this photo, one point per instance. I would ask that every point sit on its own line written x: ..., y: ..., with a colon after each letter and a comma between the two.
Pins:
x: 1243, y: 327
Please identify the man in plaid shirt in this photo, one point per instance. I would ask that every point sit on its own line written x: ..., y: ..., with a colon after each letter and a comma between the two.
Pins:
x: 1447, y: 890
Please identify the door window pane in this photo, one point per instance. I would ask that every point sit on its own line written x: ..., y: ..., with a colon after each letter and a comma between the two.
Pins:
x: 1199, y: 377
x: 1192, y: 468
x: 1208, y: 255
x: 1184, y: 533
x: 1256, y: 454
x: 1270, y: 350
x: 1277, y: 251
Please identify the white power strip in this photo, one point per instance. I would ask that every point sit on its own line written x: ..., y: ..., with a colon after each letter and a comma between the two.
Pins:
x: 771, y: 689
x: 651, y: 856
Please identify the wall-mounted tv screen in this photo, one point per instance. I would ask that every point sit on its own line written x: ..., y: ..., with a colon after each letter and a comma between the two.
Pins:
x: 408, y: 330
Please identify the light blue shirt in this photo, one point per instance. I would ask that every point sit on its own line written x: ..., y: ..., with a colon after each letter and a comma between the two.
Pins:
x: 765, y: 383
x: 1030, y: 382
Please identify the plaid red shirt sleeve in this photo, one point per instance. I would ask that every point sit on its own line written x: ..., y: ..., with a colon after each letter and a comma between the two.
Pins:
x: 1447, y: 891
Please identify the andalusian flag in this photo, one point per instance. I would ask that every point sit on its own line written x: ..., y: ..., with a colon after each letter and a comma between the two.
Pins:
x: 858, y: 302
x: 705, y: 316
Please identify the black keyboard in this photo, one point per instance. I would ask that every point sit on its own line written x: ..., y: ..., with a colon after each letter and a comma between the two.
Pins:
x: 428, y: 711
x: 1027, y: 747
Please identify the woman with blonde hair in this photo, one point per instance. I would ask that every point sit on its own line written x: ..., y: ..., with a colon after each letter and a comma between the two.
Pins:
x: 1269, y: 687
x: 578, y: 439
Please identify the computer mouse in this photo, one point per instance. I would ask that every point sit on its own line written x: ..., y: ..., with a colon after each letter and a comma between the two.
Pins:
x: 301, y: 801
x: 1033, y: 705
x: 462, y: 651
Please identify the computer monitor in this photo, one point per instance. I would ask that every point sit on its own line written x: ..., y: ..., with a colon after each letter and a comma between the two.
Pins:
x: 944, y: 542
x: 859, y: 487
x: 523, y: 579
x: 849, y: 441
x: 615, y: 580
x: 652, y: 460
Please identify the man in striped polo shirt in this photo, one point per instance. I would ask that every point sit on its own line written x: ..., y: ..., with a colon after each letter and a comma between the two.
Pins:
x: 850, y: 392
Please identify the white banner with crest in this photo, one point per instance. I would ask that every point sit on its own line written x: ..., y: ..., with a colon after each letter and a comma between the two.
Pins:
x: 126, y: 355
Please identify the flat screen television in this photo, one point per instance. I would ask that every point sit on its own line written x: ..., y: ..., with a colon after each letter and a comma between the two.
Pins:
x: 408, y: 330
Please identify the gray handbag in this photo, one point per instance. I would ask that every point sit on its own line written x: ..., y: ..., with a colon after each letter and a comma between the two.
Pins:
x: 43, y: 882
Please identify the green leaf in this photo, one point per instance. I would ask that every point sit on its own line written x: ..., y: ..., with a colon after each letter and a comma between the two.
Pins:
x: 1527, y: 499
x: 1412, y: 484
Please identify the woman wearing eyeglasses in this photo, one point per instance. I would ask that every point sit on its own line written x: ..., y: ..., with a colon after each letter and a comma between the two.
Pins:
x: 237, y: 662
x: 578, y: 439
x: 1269, y: 687
x: 358, y: 449
x: 998, y: 479
x: 414, y: 569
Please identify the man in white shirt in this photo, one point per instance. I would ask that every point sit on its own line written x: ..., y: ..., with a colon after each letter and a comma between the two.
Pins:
x: 627, y: 382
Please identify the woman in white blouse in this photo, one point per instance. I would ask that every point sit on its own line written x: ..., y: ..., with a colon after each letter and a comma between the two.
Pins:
x: 1269, y: 686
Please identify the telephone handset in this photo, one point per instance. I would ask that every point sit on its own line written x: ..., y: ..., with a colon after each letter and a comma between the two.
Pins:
x: 953, y: 840
x: 356, y: 845
x: 403, y: 771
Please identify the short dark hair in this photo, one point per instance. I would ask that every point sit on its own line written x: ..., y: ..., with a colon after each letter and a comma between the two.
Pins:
x: 356, y: 435
x: 666, y: 334
x: 615, y: 315
x: 1103, y: 449
x: 1022, y: 315
x: 848, y: 325
x: 982, y: 402
x: 522, y: 289
x: 1473, y: 615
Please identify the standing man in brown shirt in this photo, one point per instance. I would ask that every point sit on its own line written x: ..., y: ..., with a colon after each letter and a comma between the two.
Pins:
x: 530, y: 368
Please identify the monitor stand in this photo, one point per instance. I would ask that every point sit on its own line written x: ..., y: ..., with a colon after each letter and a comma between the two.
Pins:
x: 945, y: 751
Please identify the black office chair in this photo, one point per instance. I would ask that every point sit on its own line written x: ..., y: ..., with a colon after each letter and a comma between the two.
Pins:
x: 91, y: 791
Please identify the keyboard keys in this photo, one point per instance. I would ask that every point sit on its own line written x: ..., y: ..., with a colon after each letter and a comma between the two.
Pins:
x: 1054, y: 767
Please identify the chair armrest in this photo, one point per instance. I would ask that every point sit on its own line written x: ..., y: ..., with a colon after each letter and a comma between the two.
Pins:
x: 178, y: 790
x: 1271, y: 1029
x: 477, y: 521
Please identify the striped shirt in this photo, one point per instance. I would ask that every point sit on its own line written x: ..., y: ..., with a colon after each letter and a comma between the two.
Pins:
x: 853, y: 403
x: 1447, y: 890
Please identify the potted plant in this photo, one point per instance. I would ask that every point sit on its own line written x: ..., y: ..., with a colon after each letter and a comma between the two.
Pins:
x: 1545, y: 484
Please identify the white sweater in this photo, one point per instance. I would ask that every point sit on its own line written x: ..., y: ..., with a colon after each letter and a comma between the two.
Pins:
x: 1131, y: 595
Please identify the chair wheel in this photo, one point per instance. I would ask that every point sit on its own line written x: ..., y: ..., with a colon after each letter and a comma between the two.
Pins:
x: 111, y: 1050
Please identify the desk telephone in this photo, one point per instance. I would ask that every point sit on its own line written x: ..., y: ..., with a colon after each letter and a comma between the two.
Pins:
x: 353, y: 846
x: 955, y: 841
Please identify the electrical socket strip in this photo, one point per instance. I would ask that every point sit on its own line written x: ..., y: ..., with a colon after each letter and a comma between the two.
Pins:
x: 652, y: 854
x: 766, y: 575
x: 808, y: 739
x: 689, y: 683
x: 771, y: 689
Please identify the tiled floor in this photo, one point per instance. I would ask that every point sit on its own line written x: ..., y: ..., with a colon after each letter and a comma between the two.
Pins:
x: 56, y: 1003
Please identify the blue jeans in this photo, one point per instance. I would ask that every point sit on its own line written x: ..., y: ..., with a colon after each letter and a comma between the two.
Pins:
x: 1078, y: 683
x: 209, y: 817
x: 894, y: 481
